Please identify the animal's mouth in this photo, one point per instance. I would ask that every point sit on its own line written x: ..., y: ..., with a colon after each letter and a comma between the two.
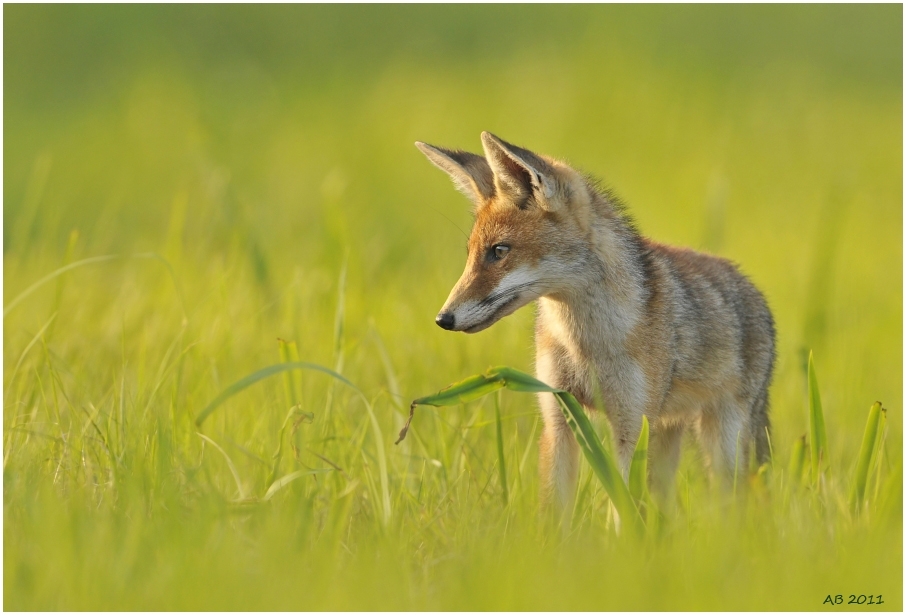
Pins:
x: 501, y: 311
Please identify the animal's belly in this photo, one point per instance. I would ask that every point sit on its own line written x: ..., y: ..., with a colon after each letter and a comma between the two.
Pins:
x: 685, y: 400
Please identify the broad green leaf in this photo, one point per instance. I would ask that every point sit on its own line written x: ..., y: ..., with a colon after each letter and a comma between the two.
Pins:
x: 603, y: 465
x: 519, y: 381
x: 461, y: 392
x: 601, y: 462
x: 467, y: 390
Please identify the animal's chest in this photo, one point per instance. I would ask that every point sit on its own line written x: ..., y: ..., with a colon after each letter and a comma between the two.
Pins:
x: 589, y: 362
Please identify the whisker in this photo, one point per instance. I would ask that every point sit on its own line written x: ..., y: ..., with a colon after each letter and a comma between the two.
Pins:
x: 492, y: 299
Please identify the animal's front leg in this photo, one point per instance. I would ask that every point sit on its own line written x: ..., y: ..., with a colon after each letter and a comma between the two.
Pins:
x: 626, y: 427
x: 663, y: 457
x: 559, y: 463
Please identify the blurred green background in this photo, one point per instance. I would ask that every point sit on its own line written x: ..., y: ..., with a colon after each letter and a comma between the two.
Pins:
x: 265, y: 154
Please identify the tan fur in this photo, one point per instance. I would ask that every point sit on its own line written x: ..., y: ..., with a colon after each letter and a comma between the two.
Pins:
x: 676, y: 335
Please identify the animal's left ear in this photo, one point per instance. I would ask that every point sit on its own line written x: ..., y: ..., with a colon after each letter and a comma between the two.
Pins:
x: 470, y: 172
x: 517, y: 170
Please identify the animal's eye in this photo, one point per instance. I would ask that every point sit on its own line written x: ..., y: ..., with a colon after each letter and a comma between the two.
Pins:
x: 500, y: 251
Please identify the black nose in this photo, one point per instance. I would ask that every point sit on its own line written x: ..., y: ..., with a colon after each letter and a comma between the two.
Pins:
x: 445, y: 320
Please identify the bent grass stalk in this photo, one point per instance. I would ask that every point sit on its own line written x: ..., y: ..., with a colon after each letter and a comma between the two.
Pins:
x: 506, y: 377
x: 267, y: 372
x: 272, y: 370
x: 279, y: 484
x: 230, y: 465
x: 88, y: 261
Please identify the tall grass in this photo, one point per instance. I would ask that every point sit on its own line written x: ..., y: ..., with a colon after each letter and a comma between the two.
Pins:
x: 259, y: 161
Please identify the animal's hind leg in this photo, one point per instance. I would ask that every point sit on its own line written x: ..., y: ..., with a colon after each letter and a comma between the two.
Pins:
x: 761, y: 428
x: 663, y: 457
x: 559, y: 462
x: 724, y: 434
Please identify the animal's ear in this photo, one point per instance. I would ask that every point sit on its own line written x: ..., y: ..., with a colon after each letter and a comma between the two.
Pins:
x: 470, y: 172
x: 518, y: 171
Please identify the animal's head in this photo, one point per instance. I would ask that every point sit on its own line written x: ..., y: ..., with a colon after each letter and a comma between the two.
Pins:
x: 530, y: 233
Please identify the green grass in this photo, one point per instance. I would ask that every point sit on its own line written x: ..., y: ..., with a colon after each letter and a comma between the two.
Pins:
x: 251, y: 175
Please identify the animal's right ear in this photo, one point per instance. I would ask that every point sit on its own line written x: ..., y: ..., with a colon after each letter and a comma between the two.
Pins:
x: 470, y: 172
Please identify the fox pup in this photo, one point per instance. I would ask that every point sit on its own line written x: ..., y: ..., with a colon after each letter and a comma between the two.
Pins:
x: 648, y: 329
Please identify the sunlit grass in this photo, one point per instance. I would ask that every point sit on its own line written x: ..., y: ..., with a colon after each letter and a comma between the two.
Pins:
x: 230, y: 191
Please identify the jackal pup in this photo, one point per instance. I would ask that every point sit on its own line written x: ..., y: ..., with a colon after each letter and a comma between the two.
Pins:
x: 648, y: 329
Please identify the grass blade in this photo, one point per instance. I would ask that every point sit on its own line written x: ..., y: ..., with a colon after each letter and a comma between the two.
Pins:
x: 338, y: 329
x: 382, y: 463
x: 229, y: 461
x: 891, y: 501
x: 33, y: 341
x: 261, y: 374
x: 817, y: 432
x: 283, y: 481
x: 798, y: 460
x: 278, y: 454
x: 638, y: 468
x: 866, y: 455
x: 500, y: 456
x: 528, y: 447
x: 880, y: 451
x: 389, y: 373
x: 289, y: 354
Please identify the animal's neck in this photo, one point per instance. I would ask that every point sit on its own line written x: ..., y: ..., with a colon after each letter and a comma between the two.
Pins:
x: 600, y: 313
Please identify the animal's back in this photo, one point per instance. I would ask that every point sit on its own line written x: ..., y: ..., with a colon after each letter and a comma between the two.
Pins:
x: 722, y: 333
